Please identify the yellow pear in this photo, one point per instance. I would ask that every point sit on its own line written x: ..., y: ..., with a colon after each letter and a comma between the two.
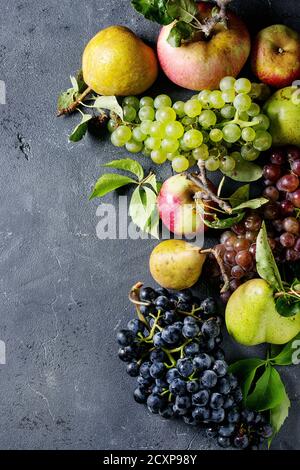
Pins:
x: 117, y: 62
x: 252, y: 318
x: 176, y: 264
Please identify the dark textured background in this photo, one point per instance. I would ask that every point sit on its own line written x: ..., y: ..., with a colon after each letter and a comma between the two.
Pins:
x: 63, y: 292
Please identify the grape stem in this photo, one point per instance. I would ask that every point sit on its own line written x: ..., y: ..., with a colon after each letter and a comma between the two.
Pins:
x: 220, y: 262
x: 70, y: 109
x: 200, y: 180
x: 134, y: 297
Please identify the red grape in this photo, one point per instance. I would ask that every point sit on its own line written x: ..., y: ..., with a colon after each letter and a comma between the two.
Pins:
x: 286, y: 207
x: 239, y: 229
x: 287, y: 240
x: 251, y: 236
x: 272, y: 172
x: 242, y: 244
x: 229, y: 258
x: 271, y: 211
x: 291, y: 225
x: 277, y: 157
x: 271, y: 193
x: 278, y: 225
x: 293, y: 153
x: 272, y: 243
x: 252, y: 249
x: 237, y: 272
x: 225, y: 236
x: 225, y: 296
x: 229, y: 243
x: 295, y: 198
x: 297, y: 245
x: 288, y: 183
x: 234, y: 284
x: 292, y: 255
x: 244, y: 259
x: 253, y: 222
x: 295, y: 166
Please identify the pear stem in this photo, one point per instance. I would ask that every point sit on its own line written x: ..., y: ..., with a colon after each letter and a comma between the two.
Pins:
x: 70, y: 109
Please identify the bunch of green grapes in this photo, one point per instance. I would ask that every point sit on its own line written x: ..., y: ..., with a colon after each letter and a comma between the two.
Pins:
x: 218, y: 127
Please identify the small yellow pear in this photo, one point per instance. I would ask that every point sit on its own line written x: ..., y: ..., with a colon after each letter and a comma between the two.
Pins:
x: 117, y: 62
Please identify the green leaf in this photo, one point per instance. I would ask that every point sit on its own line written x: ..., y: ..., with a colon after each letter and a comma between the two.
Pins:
x: 80, y: 130
x: 143, y: 210
x: 180, y: 32
x: 66, y: 99
x: 152, y: 181
x: 240, y: 195
x: 269, y: 391
x: 184, y: 10
x: 245, y: 172
x: 74, y: 83
x: 82, y: 86
x: 265, y: 263
x: 127, y: 164
x: 287, y: 307
x: 109, y: 182
x: 110, y: 103
x: 245, y: 371
x: 285, y: 356
x: 279, y: 414
x: 154, y: 10
x: 222, y: 224
x: 252, y: 204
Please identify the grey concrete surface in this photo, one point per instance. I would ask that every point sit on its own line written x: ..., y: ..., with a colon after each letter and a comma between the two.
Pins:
x: 63, y: 292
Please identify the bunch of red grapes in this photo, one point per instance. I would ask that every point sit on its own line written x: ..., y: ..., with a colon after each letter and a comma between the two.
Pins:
x: 281, y: 214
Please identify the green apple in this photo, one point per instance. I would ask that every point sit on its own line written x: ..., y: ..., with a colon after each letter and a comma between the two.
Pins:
x: 252, y: 318
x: 283, y: 109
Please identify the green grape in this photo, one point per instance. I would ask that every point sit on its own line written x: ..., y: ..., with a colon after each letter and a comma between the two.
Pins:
x: 138, y: 134
x: 187, y: 121
x: 165, y: 114
x: 216, y: 135
x: 171, y: 156
x: 237, y: 156
x: 231, y: 133
x: 227, y: 164
x: 227, y: 83
x: 216, y: 99
x: 133, y: 146
x: 243, y: 85
x: 174, y: 130
x: 193, y: 138
x: 153, y: 143
x: 205, y: 137
x: 146, y: 126
x: 146, y: 152
x: 223, y: 151
x: 116, y: 141
x: 112, y: 125
x: 146, y: 113
x: 178, y: 107
x: 132, y: 101
x: 123, y: 134
x: 201, y: 153
x: 254, y: 110
x: 129, y: 113
x: 242, y: 102
x: 162, y: 101
x: 169, y: 145
x: 228, y: 96
x: 180, y: 164
x: 255, y: 90
x: 248, y: 134
x: 249, y: 153
x: 262, y: 122
x: 214, y: 152
x: 228, y: 112
x: 192, y: 108
x: 204, y: 96
x: 146, y: 101
x: 157, y: 129
x: 191, y: 161
x: 158, y: 156
x: 207, y: 118
x: 244, y: 116
x: 212, y: 164
x: 262, y: 141
x: 182, y: 145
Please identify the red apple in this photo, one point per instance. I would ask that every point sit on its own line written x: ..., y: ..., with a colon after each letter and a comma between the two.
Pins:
x: 276, y: 56
x: 203, y: 62
x: 177, y: 207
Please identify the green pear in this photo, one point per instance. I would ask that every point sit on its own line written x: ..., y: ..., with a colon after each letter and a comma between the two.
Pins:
x: 252, y: 318
x: 283, y: 110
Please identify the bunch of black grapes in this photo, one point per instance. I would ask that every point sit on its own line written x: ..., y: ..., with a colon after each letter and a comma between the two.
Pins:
x: 173, y: 349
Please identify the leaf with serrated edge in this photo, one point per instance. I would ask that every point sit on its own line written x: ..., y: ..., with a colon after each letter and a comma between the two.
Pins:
x: 66, y: 99
x: 265, y: 263
x: 127, y: 164
x: 184, y: 10
x: 80, y: 130
x: 240, y: 195
x: 269, y: 391
x: 109, y: 182
x: 252, y: 204
x: 151, y: 180
x: 110, y: 103
x: 142, y: 207
x: 245, y: 371
x: 285, y: 356
x: 245, y: 172
x: 279, y: 414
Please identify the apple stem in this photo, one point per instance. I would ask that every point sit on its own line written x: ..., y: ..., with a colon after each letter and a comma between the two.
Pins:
x: 70, y: 109
x: 220, y: 262
x: 220, y: 17
x: 201, y: 181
